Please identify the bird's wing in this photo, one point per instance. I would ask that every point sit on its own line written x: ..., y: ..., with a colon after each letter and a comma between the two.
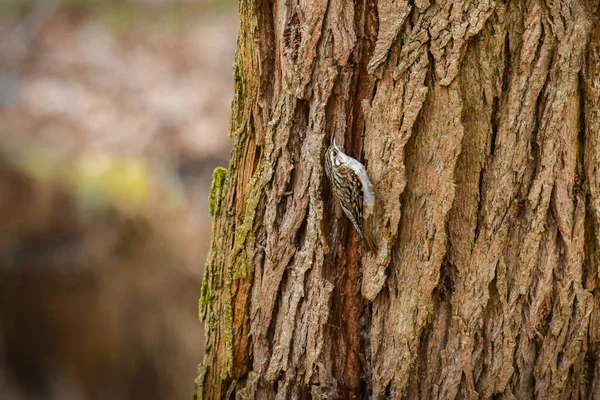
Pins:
x: 367, y: 187
x: 353, y: 196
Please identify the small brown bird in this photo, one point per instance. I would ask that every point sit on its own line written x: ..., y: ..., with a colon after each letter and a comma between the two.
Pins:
x: 353, y: 189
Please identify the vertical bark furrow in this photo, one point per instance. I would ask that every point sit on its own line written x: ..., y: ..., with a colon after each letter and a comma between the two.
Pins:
x: 502, y: 180
x: 313, y: 13
x: 451, y: 28
x: 422, y: 240
x: 591, y: 113
x: 569, y: 316
x: 392, y: 15
x: 591, y: 93
x: 537, y: 310
x: 387, y: 133
x: 481, y: 81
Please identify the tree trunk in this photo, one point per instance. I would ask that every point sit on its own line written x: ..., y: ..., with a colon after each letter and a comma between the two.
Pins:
x: 479, y: 123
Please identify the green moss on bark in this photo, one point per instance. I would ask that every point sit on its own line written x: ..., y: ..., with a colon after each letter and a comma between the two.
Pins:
x: 209, y: 283
x: 216, y: 190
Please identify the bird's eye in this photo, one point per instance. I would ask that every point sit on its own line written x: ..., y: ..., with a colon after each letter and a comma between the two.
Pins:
x: 334, y: 153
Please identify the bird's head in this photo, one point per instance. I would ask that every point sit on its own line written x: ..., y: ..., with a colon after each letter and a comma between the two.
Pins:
x: 335, y: 154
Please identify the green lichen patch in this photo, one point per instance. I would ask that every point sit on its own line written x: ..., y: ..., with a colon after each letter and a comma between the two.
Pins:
x: 207, y: 296
x: 199, y: 381
x: 216, y: 190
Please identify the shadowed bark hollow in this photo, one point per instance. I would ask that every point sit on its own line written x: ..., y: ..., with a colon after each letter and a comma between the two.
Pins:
x: 479, y: 121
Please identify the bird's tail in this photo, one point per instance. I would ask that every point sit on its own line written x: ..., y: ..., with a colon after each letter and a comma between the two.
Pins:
x: 368, y: 236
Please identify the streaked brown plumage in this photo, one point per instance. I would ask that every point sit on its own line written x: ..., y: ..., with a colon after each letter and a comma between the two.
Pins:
x: 352, y: 188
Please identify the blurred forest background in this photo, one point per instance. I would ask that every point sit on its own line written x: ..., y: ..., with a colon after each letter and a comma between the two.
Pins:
x: 113, y: 115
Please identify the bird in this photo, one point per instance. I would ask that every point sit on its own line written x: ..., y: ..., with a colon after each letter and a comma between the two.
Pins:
x: 353, y: 190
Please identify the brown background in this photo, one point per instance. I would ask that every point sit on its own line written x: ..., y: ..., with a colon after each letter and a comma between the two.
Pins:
x: 99, y: 102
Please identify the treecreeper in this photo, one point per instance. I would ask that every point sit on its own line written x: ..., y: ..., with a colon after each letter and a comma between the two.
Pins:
x: 353, y: 189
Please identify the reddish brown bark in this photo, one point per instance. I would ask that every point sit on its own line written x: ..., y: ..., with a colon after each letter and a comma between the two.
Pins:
x: 479, y: 123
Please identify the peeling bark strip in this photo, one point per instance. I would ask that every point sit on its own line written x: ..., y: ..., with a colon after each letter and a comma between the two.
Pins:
x: 479, y: 122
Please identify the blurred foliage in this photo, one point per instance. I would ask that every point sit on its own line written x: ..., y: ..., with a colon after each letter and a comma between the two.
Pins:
x: 95, y: 181
x: 103, y: 196
x: 92, y: 304
x: 95, y: 252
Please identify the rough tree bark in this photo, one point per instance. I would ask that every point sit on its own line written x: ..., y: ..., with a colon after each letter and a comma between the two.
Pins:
x: 479, y: 121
